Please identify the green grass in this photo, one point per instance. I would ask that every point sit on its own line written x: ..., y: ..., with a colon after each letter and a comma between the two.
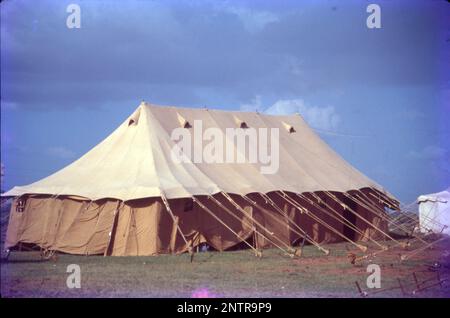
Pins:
x: 227, y: 274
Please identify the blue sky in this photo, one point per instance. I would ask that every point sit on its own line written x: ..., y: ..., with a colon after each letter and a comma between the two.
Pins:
x: 379, y: 97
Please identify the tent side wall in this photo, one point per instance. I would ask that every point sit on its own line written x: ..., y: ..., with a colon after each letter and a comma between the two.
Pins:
x: 138, y: 227
x: 145, y: 227
x: 63, y: 224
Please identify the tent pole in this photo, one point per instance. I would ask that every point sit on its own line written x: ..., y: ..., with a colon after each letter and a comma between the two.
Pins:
x: 302, y: 210
x: 390, y: 202
x: 254, y: 228
x: 344, y: 221
x: 415, y: 222
x: 238, y: 207
x: 363, y: 219
x: 415, y: 237
x: 302, y: 233
x: 257, y: 253
x: 166, y: 203
x: 383, y: 198
x: 367, y: 199
x: 351, y: 197
x: 369, y: 202
x: 305, y: 235
x: 385, y: 203
x: 396, y: 222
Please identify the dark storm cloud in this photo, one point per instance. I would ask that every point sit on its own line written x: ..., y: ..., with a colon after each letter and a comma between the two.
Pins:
x: 122, y: 51
x: 46, y: 62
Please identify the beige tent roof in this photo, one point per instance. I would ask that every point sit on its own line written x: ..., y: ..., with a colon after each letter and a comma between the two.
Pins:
x: 135, y: 161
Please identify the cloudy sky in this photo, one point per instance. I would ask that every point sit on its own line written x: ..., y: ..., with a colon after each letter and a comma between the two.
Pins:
x: 379, y: 97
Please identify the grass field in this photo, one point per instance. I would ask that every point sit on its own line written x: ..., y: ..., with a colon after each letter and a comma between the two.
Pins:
x: 227, y: 274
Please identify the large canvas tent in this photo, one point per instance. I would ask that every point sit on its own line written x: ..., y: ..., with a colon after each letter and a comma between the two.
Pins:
x: 434, y: 212
x: 127, y: 196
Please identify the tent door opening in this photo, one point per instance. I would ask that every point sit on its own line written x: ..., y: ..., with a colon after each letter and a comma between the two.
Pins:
x: 351, y: 217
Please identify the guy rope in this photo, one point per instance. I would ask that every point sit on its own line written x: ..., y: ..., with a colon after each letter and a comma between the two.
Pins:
x: 341, y: 218
x: 254, y: 228
x: 365, y: 198
x: 412, y: 234
x: 301, y: 233
x: 404, y: 257
x: 305, y: 211
x: 175, y: 221
x: 305, y: 235
x: 346, y: 207
x: 257, y: 253
x: 381, y: 215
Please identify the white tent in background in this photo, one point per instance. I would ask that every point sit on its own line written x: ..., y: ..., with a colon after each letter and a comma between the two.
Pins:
x: 434, y: 212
